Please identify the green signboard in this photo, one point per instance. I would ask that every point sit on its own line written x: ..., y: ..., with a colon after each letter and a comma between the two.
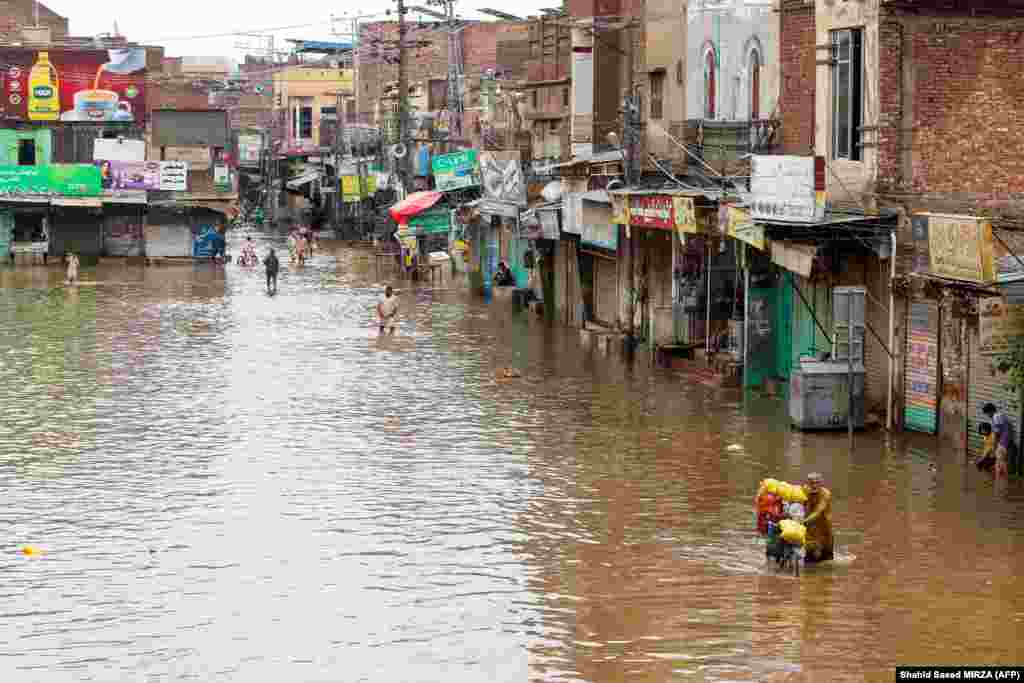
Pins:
x: 70, y: 180
x: 430, y: 223
x: 456, y: 171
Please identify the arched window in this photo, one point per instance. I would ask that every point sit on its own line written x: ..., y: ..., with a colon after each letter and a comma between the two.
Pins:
x: 755, y: 84
x: 710, y: 91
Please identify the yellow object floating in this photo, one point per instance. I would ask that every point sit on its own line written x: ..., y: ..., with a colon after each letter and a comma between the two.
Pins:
x: 29, y: 550
x: 793, y: 532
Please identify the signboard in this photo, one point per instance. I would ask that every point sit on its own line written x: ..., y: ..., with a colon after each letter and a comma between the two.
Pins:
x: 430, y: 223
x: 54, y: 84
x: 960, y: 248
x: 620, y: 209
x: 221, y: 179
x: 502, y: 177
x: 456, y: 171
x: 71, y: 180
x: 784, y: 188
x: 351, y: 190
x: 249, y: 149
x: 119, y: 150
x: 549, y: 227
x: 33, y: 248
x: 796, y: 258
x: 741, y: 226
x: 686, y: 217
x: 999, y: 323
x: 919, y: 412
x: 174, y: 176
x: 593, y: 223
x: 652, y: 211
x: 198, y: 158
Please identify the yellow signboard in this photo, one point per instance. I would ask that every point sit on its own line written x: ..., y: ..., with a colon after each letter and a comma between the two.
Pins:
x: 743, y: 228
x: 351, y: 191
x: 961, y: 248
x: 999, y: 323
x: 620, y: 209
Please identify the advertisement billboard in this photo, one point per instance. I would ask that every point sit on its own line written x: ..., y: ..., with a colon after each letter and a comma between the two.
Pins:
x: 652, y: 211
x: 786, y: 189
x: 70, y: 85
x: 502, y: 177
x: 169, y: 176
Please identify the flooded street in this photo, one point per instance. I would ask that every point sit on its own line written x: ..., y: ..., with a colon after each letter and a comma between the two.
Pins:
x: 226, y: 486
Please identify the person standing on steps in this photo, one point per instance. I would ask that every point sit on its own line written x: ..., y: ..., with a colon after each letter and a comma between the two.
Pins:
x: 272, y: 266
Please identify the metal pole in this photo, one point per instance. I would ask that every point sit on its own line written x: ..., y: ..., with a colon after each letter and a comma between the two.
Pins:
x: 403, y: 98
x: 849, y: 363
x: 746, y: 315
x: 339, y: 154
x: 707, y: 301
x: 892, y: 336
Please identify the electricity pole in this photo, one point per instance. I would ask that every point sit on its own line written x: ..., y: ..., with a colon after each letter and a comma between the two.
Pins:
x: 403, y: 100
x: 339, y: 152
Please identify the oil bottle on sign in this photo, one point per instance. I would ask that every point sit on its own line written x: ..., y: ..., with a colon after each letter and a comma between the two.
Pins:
x: 43, y: 90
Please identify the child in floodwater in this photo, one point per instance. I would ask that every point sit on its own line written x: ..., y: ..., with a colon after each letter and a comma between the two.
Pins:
x: 71, y: 278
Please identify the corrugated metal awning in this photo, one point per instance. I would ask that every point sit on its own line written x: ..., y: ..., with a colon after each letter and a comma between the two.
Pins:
x: 304, y: 179
x: 79, y: 202
x: 136, y: 197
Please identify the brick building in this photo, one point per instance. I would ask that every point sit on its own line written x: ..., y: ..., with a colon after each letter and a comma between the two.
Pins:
x: 427, y: 67
x: 16, y: 15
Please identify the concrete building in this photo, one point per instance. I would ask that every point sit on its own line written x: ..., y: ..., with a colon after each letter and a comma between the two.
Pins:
x: 18, y: 15
x: 309, y: 95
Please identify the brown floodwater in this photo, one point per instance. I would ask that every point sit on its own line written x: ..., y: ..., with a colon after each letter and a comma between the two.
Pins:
x: 226, y: 486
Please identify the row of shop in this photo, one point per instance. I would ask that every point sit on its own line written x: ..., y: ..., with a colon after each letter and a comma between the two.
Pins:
x: 763, y: 299
x: 92, y: 227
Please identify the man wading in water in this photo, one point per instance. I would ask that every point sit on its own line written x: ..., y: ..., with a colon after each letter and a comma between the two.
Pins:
x: 820, y: 544
x: 387, y: 309
x: 272, y: 266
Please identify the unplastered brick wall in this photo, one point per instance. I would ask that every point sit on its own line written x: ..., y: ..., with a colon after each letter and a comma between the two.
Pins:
x: 962, y: 84
x: 797, y: 77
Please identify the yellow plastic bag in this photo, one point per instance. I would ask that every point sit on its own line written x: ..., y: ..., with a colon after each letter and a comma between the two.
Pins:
x: 791, y: 493
x: 793, y: 532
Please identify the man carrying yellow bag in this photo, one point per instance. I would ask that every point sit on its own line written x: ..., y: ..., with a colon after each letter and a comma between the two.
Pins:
x: 820, y: 544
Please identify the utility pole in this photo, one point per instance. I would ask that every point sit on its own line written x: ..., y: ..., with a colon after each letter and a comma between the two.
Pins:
x: 339, y: 153
x: 403, y: 100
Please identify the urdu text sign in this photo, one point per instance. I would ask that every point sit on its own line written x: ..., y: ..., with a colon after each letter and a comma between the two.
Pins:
x: 961, y: 248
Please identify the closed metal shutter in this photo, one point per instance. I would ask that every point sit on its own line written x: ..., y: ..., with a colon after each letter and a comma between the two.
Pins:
x: 122, y: 232
x: 920, y: 377
x: 76, y: 230
x: 168, y: 234
x: 606, y: 277
x: 987, y: 385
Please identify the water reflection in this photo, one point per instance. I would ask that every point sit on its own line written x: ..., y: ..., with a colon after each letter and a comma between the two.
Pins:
x: 231, y: 486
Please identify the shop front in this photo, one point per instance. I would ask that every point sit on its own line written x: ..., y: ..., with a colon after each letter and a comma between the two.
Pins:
x: 25, y: 228
x: 588, y: 215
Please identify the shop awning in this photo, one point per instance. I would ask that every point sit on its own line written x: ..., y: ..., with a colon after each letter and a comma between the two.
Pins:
x: 78, y: 202
x: 597, y: 196
x: 415, y: 203
x: 302, y: 180
x: 136, y: 197
x: 26, y: 200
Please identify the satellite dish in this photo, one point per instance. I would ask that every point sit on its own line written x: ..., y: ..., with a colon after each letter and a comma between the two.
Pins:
x: 399, y: 151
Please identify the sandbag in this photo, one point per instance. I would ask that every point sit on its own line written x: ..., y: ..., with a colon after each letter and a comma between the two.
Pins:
x: 793, y: 532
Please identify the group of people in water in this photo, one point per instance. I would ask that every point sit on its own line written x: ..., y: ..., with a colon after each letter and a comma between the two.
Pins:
x: 301, y: 244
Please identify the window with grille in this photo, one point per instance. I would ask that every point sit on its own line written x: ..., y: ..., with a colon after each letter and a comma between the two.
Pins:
x: 657, y: 94
x: 847, y: 93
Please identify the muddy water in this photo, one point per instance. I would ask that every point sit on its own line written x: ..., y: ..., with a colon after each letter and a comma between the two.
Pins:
x: 228, y: 486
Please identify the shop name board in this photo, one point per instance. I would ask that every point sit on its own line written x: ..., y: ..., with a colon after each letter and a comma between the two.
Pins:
x: 430, y: 223
x: 961, y: 248
x: 739, y: 225
x: 652, y: 211
x: 352, y: 189
x: 787, y: 188
x: 456, y: 171
x: 71, y: 180
x: 999, y: 324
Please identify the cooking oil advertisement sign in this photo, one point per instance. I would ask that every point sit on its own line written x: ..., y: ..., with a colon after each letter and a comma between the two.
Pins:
x: 73, y: 85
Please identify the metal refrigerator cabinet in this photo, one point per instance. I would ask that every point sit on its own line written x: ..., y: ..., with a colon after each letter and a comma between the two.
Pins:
x: 819, y: 397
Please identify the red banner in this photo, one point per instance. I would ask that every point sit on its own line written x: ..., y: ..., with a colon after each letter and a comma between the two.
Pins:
x: 73, y: 85
x: 652, y: 211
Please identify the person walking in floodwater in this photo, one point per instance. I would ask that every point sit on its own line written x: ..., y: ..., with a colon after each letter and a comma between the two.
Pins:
x: 820, y: 545
x: 387, y: 310
x: 300, y: 249
x: 71, y: 278
x: 272, y: 266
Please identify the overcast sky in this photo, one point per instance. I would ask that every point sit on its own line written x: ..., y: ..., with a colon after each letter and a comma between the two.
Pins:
x: 184, y: 27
